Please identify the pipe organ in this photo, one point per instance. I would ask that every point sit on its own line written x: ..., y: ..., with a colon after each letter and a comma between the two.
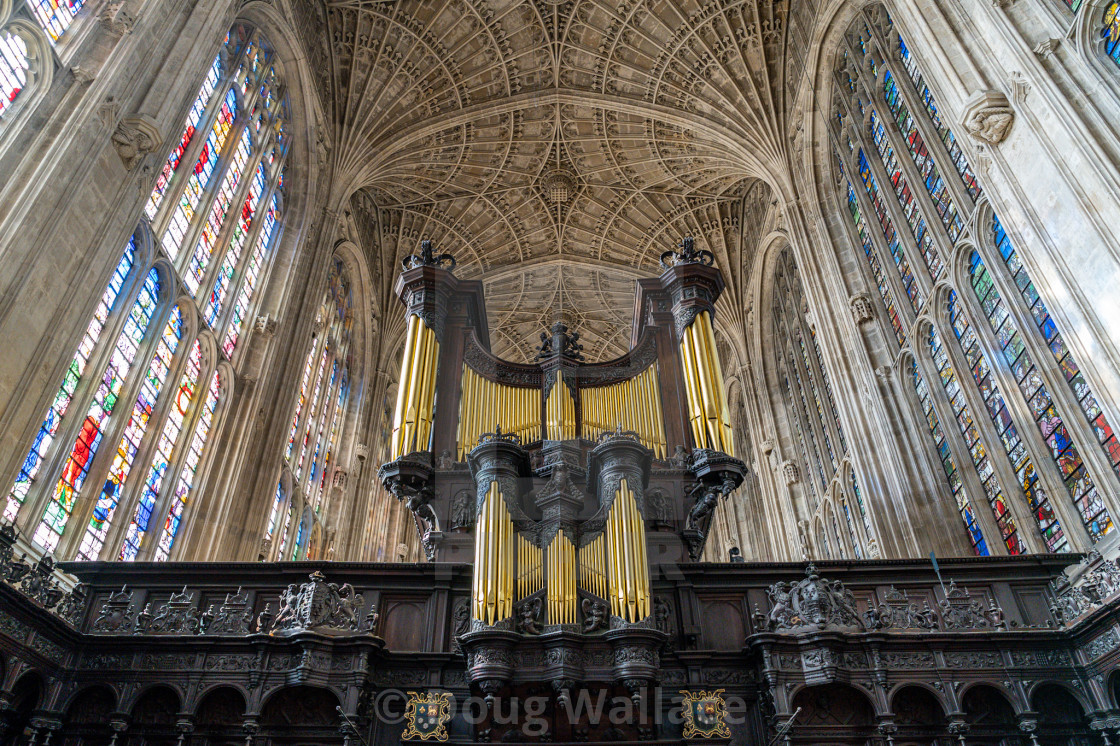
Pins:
x: 567, y: 484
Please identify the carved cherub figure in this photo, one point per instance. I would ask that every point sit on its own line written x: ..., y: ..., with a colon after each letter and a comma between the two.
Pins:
x: 527, y: 615
x: 594, y: 615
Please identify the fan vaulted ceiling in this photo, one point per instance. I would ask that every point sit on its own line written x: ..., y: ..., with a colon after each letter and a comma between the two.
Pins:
x: 555, y: 148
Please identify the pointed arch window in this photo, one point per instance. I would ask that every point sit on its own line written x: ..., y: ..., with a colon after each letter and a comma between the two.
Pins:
x: 226, y: 207
x: 1110, y: 31
x: 814, y: 417
x: 977, y: 449
x: 55, y: 16
x: 15, y: 66
x: 87, y: 444
x: 74, y: 372
x: 888, y: 130
x: 320, y: 410
x: 142, y: 412
x: 153, y: 482
x: 964, y: 504
x: 994, y: 403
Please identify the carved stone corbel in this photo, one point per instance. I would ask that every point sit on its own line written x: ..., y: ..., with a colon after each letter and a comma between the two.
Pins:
x: 115, y: 18
x: 988, y: 116
x: 790, y: 471
x: 134, y: 138
x: 862, y: 310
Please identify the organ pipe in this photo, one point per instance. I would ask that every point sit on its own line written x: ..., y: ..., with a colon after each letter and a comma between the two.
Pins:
x: 486, y: 406
x: 494, y: 560
x: 414, y: 411
x: 560, y: 411
x: 705, y: 389
x: 633, y: 404
x: 561, y: 559
x: 628, y: 570
x: 530, y: 570
x: 593, y: 576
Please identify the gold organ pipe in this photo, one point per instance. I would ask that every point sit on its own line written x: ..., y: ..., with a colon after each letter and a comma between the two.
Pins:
x: 721, y: 387
x: 479, y: 577
x: 406, y: 365
x: 691, y: 373
x: 408, y: 428
x: 627, y: 543
x: 706, y: 407
x: 715, y: 413
x: 659, y: 417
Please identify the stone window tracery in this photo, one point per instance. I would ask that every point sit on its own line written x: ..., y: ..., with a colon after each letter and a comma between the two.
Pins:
x: 815, y: 421
x: 319, y: 417
x: 900, y: 164
x: 26, y: 58
x: 152, y: 372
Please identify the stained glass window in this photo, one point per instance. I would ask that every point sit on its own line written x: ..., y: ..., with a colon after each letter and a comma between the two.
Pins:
x: 172, y: 427
x: 86, y: 445
x: 976, y: 447
x: 150, y: 386
x: 329, y: 397
x: 1110, y: 31
x: 252, y: 273
x: 997, y: 410
x: 184, y: 213
x: 283, y: 541
x: 14, y: 66
x: 906, y: 198
x: 274, y: 516
x: 889, y: 233
x: 301, y: 401
x: 1047, y: 416
x: 1053, y: 338
x: 873, y: 259
x: 57, y: 410
x: 204, y: 250
x: 964, y: 505
x: 189, y: 472
x: 812, y: 411
x: 194, y: 120
x: 875, y: 130
x: 923, y: 160
x: 955, y: 154
x: 55, y: 16
x: 236, y: 245
x: 225, y: 165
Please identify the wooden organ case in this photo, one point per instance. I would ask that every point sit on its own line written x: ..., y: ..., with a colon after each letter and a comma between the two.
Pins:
x: 567, y: 485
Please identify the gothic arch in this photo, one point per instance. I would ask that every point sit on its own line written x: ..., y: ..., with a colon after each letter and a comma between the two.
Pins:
x: 40, y: 73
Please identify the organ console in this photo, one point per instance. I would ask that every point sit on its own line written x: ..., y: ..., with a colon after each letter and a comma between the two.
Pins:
x: 579, y: 480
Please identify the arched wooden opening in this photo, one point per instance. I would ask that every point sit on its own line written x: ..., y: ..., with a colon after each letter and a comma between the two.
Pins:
x: 301, y: 714
x: 26, y: 696
x: 219, y: 717
x: 1060, y: 716
x: 154, y: 715
x: 989, y: 715
x: 919, y: 716
x: 87, y: 717
x: 832, y: 714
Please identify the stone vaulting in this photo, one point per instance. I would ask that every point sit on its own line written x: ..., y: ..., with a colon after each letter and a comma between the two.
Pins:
x: 382, y: 371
